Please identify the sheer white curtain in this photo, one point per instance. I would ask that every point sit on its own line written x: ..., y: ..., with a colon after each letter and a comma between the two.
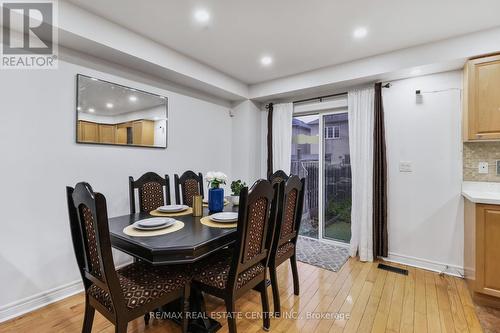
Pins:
x: 282, y: 136
x: 361, y: 117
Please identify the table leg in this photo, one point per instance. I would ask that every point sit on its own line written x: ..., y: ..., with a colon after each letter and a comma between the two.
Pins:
x: 203, y: 323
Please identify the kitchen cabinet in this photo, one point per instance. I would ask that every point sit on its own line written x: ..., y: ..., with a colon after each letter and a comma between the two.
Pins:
x: 88, y: 131
x: 482, y: 99
x: 482, y: 251
x: 143, y: 132
x: 107, y: 133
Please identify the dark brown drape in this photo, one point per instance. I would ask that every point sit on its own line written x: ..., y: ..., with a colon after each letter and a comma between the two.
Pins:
x: 379, y: 179
x: 269, y: 139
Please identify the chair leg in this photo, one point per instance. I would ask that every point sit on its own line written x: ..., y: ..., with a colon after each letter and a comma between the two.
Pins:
x: 265, y: 305
x: 295, y: 274
x: 185, y: 308
x: 88, y: 318
x: 276, y: 292
x: 231, y: 315
x: 121, y: 327
x: 147, y: 316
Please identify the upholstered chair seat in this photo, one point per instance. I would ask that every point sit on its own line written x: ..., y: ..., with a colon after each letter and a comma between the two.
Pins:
x: 214, y: 271
x: 142, y: 284
x: 230, y: 273
x: 132, y: 291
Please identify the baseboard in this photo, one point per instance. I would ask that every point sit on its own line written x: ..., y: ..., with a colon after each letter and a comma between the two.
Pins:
x: 426, y: 264
x: 31, y: 303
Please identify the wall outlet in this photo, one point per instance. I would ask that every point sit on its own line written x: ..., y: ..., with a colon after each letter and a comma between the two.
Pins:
x: 482, y: 167
x: 405, y: 166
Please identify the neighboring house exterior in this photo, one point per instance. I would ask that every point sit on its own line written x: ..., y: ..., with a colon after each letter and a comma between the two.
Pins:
x: 300, y: 150
x: 337, y: 172
x: 336, y: 133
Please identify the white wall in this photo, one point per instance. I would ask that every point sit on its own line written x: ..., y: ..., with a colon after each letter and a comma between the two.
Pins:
x: 246, y: 142
x: 40, y: 157
x: 425, y: 207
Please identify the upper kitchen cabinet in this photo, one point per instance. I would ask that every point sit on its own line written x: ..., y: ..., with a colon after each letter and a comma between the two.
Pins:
x: 482, y: 99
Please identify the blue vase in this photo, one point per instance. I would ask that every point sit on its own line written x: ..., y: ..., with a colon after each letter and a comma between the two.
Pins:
x: 215, y: 200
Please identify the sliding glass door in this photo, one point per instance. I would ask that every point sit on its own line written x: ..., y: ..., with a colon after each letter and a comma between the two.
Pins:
x: 336, y: 177
x: 305, y: 152
x: 320, y: 153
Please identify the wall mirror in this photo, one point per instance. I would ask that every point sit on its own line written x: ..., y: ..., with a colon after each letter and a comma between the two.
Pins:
x: 112, y: 114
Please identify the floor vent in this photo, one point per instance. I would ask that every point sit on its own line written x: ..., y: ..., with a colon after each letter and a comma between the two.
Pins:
x: 393, y: 269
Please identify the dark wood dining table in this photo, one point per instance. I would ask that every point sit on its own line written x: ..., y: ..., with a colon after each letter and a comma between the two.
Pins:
x: 186, y: 246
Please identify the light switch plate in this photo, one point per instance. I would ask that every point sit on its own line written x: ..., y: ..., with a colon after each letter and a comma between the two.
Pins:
x: 405, y: 166
x: 482, y: 167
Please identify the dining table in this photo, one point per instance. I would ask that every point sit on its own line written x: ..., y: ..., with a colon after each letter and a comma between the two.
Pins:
x: 188, y: 245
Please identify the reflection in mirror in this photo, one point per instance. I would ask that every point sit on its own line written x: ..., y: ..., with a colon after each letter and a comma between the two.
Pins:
x: 108, y: 113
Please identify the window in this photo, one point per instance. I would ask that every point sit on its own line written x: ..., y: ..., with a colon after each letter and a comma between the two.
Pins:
x: 332, y: 132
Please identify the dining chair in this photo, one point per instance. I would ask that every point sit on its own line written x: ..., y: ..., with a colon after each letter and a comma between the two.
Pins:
x: 231, y: 272
x: 129, y: 292
x: 189, y: 184
x: 289, y: 215
x: 278, y: 177
x: 151, y: 195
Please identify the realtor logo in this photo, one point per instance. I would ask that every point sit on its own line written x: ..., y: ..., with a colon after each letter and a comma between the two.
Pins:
x: 28, y: 35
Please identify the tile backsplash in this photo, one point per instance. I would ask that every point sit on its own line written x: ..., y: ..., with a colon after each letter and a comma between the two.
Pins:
x: 475, y: 152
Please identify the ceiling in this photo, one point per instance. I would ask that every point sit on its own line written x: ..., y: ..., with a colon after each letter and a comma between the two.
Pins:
x: 95, y: 94
x: 300, y: 35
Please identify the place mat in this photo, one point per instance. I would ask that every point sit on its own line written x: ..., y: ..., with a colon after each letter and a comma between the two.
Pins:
x: 131, y: 231
x: 155, y: 212
x: 226, y: 202
x: 209, y: 223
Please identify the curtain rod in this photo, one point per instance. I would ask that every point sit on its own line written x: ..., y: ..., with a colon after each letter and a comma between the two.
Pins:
x: 320, y: 98
x: 387, y: 85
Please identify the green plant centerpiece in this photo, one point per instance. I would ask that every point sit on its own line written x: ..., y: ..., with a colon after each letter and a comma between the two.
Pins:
x: 236, y: 187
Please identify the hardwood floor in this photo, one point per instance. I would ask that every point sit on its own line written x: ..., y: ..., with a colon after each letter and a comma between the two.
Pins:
x: 364, y: 299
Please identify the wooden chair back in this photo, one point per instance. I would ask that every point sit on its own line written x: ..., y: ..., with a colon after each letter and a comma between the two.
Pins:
x: 91, y: 241
x: 256, y: 215
x: 278, y: 177
x: 289, y: 212
x: 188, y: 185
x: 151, y: 193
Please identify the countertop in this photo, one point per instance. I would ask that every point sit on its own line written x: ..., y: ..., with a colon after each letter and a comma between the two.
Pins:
x: 482, y: 192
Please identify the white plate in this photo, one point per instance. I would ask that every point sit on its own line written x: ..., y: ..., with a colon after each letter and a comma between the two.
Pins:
x: 225, y: 217
x: 172, y: 208
x: 168, y: 224
x: 154, y: 222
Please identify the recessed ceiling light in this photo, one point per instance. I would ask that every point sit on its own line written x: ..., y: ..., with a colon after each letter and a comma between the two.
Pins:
x: 79, y: 108
x: 360, y: 32
x: 91, y: 110
x: 202, y: 15
x: 416, y: 71
x: 132, y: 98
x: 266, y: 60
x: 109, y: 105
